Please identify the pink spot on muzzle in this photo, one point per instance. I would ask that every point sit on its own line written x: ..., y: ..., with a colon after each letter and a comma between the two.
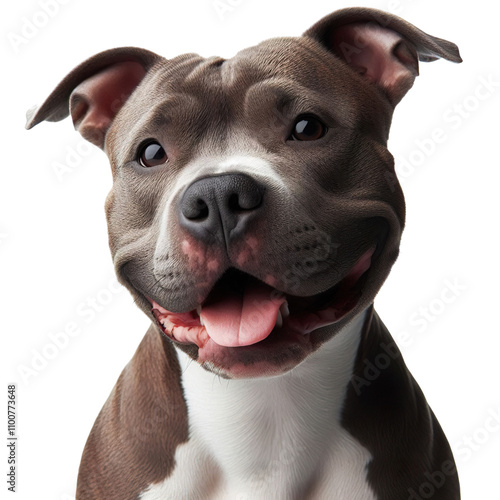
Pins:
x: 213, y: 265
x: 200, y: 261
x: 249, y: 251
x: 195, y: 254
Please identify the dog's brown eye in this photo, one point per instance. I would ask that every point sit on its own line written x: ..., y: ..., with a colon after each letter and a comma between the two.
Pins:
x: 152, y: 154
x: 307, y: 128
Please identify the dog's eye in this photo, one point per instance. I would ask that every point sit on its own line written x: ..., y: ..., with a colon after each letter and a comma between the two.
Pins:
x: 307, y: 128
x: 152, y: 154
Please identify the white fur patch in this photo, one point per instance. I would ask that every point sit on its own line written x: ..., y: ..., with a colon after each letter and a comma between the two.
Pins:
x: 273, y: 438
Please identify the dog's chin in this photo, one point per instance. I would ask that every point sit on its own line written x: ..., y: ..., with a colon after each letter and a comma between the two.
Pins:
x: 245, y: 328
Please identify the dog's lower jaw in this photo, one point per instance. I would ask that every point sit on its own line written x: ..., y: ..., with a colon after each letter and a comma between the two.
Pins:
x: 288, y: 425
x: 253, y: 330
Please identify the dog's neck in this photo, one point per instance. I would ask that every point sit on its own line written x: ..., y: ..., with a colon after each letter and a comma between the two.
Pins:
x: 278, y: 421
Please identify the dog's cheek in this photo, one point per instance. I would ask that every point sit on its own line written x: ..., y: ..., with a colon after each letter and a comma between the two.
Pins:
x: 333, y: 166
x: 130, y: 216
x: 362, y: 169
x: 374, y: 180
x: 140, y: 195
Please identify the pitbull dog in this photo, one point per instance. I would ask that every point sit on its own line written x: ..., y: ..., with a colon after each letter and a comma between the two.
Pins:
x: 254, y: 215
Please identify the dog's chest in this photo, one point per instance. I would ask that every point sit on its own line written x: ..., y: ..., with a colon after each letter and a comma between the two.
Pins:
x: 276, y: 438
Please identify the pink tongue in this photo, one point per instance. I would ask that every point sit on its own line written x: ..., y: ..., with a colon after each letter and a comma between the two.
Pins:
x: 242, y: 318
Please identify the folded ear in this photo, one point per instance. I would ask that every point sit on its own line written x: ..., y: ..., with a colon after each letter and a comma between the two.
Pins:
x: 95, y: 91
x: 381, y: 47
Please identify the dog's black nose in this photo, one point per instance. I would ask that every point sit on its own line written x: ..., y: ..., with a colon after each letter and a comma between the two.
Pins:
x: 220, y: 207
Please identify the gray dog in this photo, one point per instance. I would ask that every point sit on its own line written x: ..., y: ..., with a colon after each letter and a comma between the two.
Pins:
x: 254, y: 216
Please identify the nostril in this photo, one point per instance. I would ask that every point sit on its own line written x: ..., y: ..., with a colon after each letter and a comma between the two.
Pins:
x: 233, y: 203
x: 239, y: 202
x: 197, y: 209
x: 249, y: 199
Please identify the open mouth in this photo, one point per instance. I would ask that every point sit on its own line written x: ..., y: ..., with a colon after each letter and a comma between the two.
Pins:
x: 243, y: 312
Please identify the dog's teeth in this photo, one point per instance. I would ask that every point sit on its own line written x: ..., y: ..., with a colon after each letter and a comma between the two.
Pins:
x: 279, y: 320
x: 285, y: 311
x: 198, y: 311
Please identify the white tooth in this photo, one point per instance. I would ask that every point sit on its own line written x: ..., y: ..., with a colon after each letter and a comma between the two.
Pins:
x: 284, y: 309
x: 198, y: 309
x: 201, y: 321
x: 279, y: 320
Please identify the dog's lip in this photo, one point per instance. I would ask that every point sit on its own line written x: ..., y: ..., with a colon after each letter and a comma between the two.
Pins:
x: 296, y: 319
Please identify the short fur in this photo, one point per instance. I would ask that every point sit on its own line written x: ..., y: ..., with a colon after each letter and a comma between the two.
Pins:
x: 327, y: 211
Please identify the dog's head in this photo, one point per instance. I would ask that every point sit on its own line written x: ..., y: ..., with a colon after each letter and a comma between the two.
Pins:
x: 254, y: 209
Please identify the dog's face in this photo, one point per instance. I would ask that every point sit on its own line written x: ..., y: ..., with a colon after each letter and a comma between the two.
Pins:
x: 249, y: 187
x: 254, y: 209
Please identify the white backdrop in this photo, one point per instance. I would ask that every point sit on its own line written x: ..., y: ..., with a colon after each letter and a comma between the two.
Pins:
x: 68, y: 330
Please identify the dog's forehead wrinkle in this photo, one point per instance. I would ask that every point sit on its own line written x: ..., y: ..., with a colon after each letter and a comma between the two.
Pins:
x: 159, y: 112
x: 274, y: 58
x: 173, y: 71
x: 192, y: 97
x: 205, y: 67
x: 297, y: 73
x: 285, y: 99
x: 189, y: 76
x: 293, y: 58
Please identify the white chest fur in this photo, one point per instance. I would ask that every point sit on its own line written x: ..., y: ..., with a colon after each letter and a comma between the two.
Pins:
x: 274, y: 438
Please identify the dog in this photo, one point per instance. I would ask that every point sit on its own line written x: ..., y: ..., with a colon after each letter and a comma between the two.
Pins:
x: 254, y: 215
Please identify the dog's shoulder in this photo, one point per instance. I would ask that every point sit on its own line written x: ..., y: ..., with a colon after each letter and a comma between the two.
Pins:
x: 386, y: 411
x: 126, y: 451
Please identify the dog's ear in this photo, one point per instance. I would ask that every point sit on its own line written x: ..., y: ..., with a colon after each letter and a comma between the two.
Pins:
x: 95, y: 91
x: 381, y: 47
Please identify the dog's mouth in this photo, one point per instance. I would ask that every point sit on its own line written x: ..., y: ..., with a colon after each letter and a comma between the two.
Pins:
x: 243, y: 312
